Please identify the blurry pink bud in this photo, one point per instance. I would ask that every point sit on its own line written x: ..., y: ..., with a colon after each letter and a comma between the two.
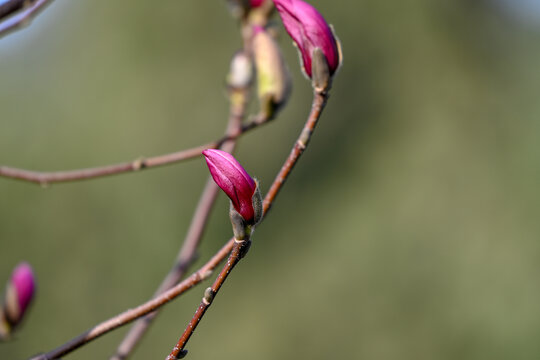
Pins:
x: 255, y: 3
x: 231, y: 177
x: 309, y: 31
x: 19, y: 294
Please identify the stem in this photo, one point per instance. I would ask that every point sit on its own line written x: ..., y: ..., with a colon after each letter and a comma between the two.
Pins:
x: 319, y: 101
x: 204, y: 272
x: 45, y: 178
x: 198, y: 223
x: 130, y: 315
x: 10, y: 7
x: 31, y: 9
x: 239, y: 249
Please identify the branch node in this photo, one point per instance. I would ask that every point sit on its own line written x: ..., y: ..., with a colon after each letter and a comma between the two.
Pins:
x: 139, y: 164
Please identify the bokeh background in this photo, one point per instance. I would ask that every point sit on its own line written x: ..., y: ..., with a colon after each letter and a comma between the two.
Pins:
x: 409, y: 230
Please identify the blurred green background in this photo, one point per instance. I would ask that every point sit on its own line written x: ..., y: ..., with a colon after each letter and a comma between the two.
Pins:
x: 409, y: 230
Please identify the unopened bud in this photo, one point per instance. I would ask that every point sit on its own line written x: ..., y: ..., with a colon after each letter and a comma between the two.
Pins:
x: 19, y: 293
x: 208, y: 296
x: 310, y: 31
x: 241, y: 71
x: 240, y: 187
x: 273, y: 78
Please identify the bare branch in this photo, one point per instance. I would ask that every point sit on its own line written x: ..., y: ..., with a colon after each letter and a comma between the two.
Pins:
x: 46, y: 178
x: 10, y: 7
x: 128, y: 316
x: 28, y: 10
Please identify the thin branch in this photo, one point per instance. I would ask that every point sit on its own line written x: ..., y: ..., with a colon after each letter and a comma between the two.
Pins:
x: 46, y: 178
x: 205, y: 271
x: 198, y: 223
x: 319, y: 102
x: 10, y: 7
x: 30, y: 8
x: 240, y: 247
x: 132, y: 314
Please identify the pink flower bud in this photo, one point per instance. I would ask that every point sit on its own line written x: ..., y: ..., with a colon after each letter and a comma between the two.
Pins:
x: 23, y: 281
x: 255, y: 3
x: 20, y: 291
x: 231, y: 177
x: 309, y: 31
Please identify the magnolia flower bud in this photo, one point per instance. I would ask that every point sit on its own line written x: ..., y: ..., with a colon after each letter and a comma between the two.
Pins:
x: 273, y: 78
x: 310, y: 31
x: 242, y: 189
x: 19, y: 293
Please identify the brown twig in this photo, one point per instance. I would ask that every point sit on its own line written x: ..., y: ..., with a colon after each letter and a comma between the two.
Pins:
x: 30, y: 8
x: 204, y: 272
x: 238, y: 251
x: 46, y: 178
x: 239, y: 101
x: 319, y: 101
x: 132, y: 314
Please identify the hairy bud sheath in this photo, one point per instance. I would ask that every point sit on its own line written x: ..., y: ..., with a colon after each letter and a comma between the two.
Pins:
x: 273, y: 78
x: 309, y: 31
x: 19, y: 293
x: 242, y: 189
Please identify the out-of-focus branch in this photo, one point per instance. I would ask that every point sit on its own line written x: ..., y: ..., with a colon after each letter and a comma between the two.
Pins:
x: 12, y: 6
x: 205, y: 271
x: 18, y: 13
x: 46, y: 178
x: 130, y: 315
x: 193, y: 237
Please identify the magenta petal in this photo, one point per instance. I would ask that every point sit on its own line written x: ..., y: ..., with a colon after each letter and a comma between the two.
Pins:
x: 231, y: 177
x: 23, y: 282
x: 309, y: 30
